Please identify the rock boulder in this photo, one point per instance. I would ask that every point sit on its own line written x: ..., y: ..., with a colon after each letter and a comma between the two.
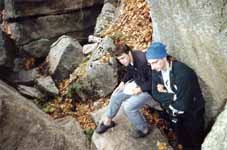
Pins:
x: 65, y: 55
x: 216, y: 139
x: 98, y: 76
x: 24, y: 126
x: 119, y: 137
x: 195, y: 32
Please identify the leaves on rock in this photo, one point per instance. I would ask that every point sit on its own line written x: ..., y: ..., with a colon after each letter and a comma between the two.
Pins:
x: 133, y: 26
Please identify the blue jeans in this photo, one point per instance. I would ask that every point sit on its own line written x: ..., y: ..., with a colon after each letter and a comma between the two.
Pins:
x: 131, y: 105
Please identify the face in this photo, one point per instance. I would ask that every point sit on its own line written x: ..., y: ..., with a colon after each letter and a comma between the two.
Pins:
x: 157, y: 64
x: 124, y: 59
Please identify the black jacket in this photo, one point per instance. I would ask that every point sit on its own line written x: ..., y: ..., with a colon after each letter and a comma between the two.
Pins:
x: 184, y: 84
x: 139, y: 71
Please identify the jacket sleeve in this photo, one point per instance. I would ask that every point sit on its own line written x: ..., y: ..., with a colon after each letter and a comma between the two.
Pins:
x: 147, y: 83
x: 127, y: 76
x: 184, y: 94
x: 164, y: 99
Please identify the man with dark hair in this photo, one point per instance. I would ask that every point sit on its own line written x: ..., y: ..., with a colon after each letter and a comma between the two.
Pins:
x: 133, y: 90
x: 175, y: 86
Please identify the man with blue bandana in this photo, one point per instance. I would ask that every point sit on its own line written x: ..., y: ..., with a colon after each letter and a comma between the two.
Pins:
x: 175, y: 86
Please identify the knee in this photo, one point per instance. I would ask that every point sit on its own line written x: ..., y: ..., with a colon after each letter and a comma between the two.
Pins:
x: 115, y: 100
x: 128, y: 107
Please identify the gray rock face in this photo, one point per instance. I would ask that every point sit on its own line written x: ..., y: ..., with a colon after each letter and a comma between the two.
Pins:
x: 1, y: 109
x: 24, y: 8
x: 105, y: 18
x: 118, y: 138
x: 46, y: 84
x: 38, y: 48
x: 65, y: 55
x: 195, y: 32
x: 24, y: 76
x: 98, y: 77
x: 88, y: 48
x: 7, y: 50
x: 30, y: 92
x: 51, y: 26
x: 25, y: 127
x: 216, y: 139
x: 42, y: 23
x: 3, y: 56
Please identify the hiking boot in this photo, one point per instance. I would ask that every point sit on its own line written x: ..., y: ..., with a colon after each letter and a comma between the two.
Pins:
x: 103, y: 128
x: 139, y: 134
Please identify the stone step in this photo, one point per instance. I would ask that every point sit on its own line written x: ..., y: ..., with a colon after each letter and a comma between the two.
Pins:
x: 119, y: 137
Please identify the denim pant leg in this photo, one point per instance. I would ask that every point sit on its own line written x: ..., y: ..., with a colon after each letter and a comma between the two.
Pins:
x: 116, y: 100
x: 131, y: 108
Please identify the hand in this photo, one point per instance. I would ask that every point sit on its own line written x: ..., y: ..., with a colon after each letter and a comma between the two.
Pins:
x: 136, y: 91
x: 161, y: 88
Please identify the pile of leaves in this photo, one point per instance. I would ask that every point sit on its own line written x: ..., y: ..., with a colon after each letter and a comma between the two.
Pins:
x: 59, y: 108
x: 133, y: 26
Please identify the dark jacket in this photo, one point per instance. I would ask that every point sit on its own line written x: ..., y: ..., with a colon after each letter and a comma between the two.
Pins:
x: 184, y: 84
x: 139, y: 71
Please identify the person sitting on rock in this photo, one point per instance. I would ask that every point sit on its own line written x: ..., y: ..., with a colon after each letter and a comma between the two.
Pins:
x: 175, y: 86
x: 132, y: 92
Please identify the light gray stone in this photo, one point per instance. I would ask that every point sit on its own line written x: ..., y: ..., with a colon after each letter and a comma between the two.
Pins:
x: 30, y: 92
x: 24, y: 126
x: 73, y: 129
x: 119, y: 137
x: 216, y: 139
x: 94, y: 39
x: 97, y: 77
x: 88, y: 48
x: 107, y: 45
x: 105, y: 18
x: 65, y: 55
x: 195, y: 32
x: 47, y: 85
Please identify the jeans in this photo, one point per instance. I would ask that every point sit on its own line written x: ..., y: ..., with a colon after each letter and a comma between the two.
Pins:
x: 131, y: 105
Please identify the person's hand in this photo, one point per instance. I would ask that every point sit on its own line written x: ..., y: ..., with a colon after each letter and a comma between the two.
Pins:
x: 136, y: 91
x: 161, y: 88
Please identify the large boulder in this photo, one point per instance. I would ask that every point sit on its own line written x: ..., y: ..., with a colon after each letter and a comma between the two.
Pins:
x: 98, y: 76
x: 30, y: 92
x: 25, y: 8
x: 196, y: 33
x: 35, y: 24
x: 118, y: 138
x: 65, y: 55
x: 35, y: 35
x: 47, y: 85
x: 216, y: 139
x: 105, y: 18
x: 24, y: 126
